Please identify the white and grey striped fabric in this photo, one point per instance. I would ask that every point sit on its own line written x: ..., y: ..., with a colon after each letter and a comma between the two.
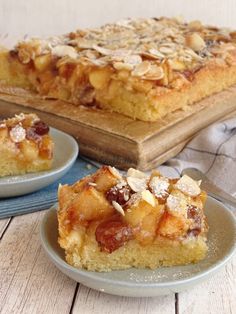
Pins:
x: 213, y: 151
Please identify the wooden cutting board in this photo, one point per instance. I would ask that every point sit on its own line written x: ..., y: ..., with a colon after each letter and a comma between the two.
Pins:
x: 114, y: 139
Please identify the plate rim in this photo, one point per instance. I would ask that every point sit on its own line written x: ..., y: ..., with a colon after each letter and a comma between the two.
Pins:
x: 46, y: 173
x: 90, y: 275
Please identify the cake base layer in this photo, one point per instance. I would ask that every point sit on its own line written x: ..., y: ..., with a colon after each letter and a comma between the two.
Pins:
x: 162, y: 252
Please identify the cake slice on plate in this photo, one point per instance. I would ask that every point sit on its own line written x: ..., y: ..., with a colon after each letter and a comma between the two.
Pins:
x: 108, y: 221
x: 25, y: 145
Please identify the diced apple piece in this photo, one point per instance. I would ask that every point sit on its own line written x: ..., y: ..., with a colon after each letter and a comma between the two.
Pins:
x: 46, y: 147
x: 136, y: 213
x: 105, y: 178
x: 3, y: 134
x: 99, y: 78
x: 149, y: 225
x: 91, y: 204
x: 65, y: 194
x: 29, y: 149
x: 172, y: 226
x: 42, y: 63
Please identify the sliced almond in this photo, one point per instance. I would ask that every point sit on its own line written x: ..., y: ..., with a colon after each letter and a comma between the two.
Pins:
x: 118, y: 208
x: 132, y: 59
x: 188, y: 186
x: 195, y: 42
x: 137, y: 184
x: 195, y: 25
x: 155, y: 73
x: 148, y: 197
x: 136, y: 173
x: 123, y: 66
x: 102, y: 50
x: 166, y: 50
x: 141, y: 69
x: 64, y: 50
x: 115, y: 172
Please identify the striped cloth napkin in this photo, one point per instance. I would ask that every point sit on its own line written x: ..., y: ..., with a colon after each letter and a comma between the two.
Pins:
x: 213, y: 151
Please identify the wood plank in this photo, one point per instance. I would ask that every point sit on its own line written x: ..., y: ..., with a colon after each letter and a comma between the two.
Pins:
x: 118, y: 140
x: 93, y: 302
x: 3, y: 225
x: 214, y: 296
x: 30, y: 283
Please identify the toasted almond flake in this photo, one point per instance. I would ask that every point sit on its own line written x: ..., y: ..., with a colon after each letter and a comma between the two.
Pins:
x: 63, y: 50
x: 156, y: 53
x: 166, y: 50
x: 132, y: 59
x: 123, y: 66
x: 115, y: 172
x: 102, y: 50
x: 118, y: 208
x: 148, y: 197
x: 17, y: 134
x: 141, y: 69
x: 92, y: 183
x: 136, y: 173
x: 155, y: 73
x: 137, y: 184
x: 195, y: 42
x: 188, y: 186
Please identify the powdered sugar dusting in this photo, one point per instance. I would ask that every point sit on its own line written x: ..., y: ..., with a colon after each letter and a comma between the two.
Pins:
x: 17, y: 134
x: 159, y: 186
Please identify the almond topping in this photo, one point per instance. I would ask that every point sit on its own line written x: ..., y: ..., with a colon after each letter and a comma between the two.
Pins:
x: 148, y: 197
x: 136, y: 173
x: 141, y: 68
x: 118, y: 208
x: 195, y: 42
x: 188, y: 186
x: 137, y: 184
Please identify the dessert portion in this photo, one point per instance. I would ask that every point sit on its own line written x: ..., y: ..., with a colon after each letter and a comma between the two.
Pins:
x: 25, y: 145
x: 142, y: 68
x: 108, y: 221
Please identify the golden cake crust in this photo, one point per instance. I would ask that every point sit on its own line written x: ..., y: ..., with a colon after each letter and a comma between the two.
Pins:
x: 143, y: 68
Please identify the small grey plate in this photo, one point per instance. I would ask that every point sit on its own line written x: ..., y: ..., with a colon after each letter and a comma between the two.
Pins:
x: 146, y: 282
x: 65, y: 154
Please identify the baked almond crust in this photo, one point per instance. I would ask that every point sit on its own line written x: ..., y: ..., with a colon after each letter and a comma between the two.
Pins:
x: 108, y: 221
x: 143, y: 68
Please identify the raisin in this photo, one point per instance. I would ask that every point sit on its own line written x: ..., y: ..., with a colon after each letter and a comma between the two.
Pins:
x: 31, y: 135
x: 119, y: 195
x: 192, y: 212
x: 194, y: 232
x: 113, y: 234
x: 40, y: 128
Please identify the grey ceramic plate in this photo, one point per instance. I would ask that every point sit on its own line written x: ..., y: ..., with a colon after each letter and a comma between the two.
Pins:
x: 145, y: 282
x: 65, y: 154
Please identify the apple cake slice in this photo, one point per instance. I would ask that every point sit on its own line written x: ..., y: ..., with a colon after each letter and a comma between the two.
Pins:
x: 142, y: 68
x: 108, y: 221
x: 25, y: 145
